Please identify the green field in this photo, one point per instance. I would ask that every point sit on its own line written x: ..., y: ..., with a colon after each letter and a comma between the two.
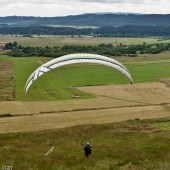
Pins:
x: 60, y: 83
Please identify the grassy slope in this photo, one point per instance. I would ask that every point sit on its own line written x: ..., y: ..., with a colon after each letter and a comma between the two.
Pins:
x: 128, y: 145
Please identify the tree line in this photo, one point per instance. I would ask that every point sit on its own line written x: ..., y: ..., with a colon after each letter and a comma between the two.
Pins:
x: 102, y: 49
x: 121, y: 31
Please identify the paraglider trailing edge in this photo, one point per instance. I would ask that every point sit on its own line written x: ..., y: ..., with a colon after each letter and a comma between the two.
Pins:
x: 73, y: 59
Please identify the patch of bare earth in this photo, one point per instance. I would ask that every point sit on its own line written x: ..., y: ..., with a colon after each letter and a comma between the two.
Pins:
x: 6, y: 81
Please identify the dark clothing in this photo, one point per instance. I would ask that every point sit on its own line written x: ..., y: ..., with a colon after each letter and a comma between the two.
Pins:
x: 87, y: 150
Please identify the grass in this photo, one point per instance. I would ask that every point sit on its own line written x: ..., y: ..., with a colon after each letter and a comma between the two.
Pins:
x: 133, y: 144
x: 6, y: 80
x: 48, y: 87
x: 44, y: 117
x: 149, y: 72
x: 59, y: 84
x: 96, y: 74
x: 162, y: 125
x: 62, y: 40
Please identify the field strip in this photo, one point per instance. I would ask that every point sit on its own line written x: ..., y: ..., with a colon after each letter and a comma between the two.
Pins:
x: 108, y: 96
x: 6, y: 81
x: 114, y: 103
x: 166, y: 105
x: 149, y: 62
x: 139, y: 102
x: 143, y: 93
x: 37, y: 107
x: 68, y: 119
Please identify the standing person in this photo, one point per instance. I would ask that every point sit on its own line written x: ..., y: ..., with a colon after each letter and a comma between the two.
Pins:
x: 87, y: 149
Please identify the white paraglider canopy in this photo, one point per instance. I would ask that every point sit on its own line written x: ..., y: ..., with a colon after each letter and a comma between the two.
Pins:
x: 73, y: 59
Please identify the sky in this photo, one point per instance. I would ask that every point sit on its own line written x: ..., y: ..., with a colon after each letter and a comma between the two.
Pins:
x: 52, y: 8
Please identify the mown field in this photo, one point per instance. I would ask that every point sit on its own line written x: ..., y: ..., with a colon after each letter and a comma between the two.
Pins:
x: 85, y: 40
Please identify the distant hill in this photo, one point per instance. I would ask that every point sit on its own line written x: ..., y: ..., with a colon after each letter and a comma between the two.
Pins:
x: 100, y: 19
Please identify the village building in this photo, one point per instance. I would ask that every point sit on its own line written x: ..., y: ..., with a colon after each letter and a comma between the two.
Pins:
x: 2, y: 45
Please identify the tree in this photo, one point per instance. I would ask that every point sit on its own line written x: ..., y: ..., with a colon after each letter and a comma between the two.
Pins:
x: 15, y: 44
x: 8, y: 46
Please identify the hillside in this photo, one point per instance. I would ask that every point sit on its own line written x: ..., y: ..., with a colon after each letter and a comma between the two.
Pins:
x: 106, y: 19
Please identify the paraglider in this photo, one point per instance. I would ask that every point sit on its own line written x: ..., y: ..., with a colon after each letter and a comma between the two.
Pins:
x: 87, y: 149
x: 73, y: 59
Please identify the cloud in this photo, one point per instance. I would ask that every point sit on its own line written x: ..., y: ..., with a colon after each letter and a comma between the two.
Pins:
x: 73, y: 7
x: 114, y: 1
x: 7, y: 2
x: 44, y: 2
x: 16, y: 2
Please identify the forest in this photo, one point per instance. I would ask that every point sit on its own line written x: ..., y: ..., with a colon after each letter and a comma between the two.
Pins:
x: 122, y: 31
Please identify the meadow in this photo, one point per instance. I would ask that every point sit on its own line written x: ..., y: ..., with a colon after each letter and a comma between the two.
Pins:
x: 48, y: 40
x: 133, y: 144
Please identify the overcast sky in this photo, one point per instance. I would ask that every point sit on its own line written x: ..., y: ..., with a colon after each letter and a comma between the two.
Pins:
x: 74, y: 7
